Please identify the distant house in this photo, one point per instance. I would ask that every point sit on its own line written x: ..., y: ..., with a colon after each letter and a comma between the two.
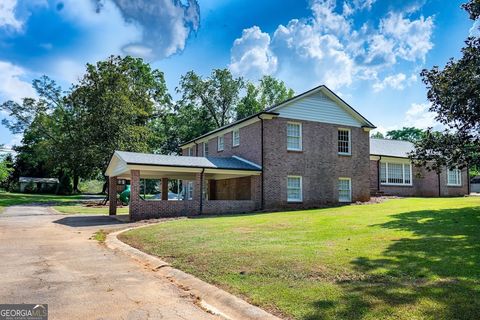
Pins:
x: 311, y: 150
x: 392, y: 173
x: 32, y: 184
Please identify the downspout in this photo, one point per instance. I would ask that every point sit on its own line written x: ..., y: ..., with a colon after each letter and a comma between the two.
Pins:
x: 196, y: 148
x: 378, y: 173
x: 262, y: 202
x: 201, y: 191
x: 439, y: 187
x: 468, y: 179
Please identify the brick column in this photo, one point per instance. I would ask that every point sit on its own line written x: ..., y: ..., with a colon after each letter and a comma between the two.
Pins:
x: 134, y: 208
x: 112, y: 196
x: 197, y: 192
x: 164, y: 188
x: 256, y: 190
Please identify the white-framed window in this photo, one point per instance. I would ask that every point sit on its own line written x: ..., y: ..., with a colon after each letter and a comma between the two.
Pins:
x: 454, y: 177
x: 344, y: 189
x: 190, y: 151
x: 236, y: 138
x: 188, y: 190
x: 294, y: 136
x: 205, y: 149
x: 220, y: 143
x: 294, y: 189
x: 395, y: 173
x: 344, y: 142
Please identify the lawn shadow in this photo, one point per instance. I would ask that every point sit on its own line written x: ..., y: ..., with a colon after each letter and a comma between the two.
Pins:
x: 439, y: 269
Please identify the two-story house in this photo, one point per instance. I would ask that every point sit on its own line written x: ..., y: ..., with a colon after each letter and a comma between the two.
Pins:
x: 308, y: 151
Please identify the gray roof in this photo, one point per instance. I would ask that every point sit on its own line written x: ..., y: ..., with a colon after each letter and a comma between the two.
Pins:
x: 391, y: 148
x: 229, y: 163
x: 37, y: 180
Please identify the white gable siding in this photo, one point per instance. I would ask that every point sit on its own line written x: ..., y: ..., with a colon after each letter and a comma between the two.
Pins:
x: 320, y: 108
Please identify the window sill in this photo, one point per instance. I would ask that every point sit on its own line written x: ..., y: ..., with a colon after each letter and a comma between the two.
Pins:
x: 345, y: 154
x: 396, y: 185
x: 294, y: 201
x: 454, y: 185
x: 294, y: 151
x: 236, y: 146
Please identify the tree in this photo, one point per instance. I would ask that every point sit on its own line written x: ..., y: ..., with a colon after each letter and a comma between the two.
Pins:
x: 269, y: 92
x: 5, y: 167
x: 454, y: 93
x: 218, y: 94
x: 411, y: 134
x: 377, y: 135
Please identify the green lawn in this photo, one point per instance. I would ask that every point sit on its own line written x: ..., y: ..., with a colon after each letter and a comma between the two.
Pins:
x: 63, y: 204
x: 401, y: 259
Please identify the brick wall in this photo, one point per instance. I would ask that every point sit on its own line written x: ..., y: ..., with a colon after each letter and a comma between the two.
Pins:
x: 424, y: 184
x: 228, y: 206
x: 319, y: 163
x: 112, y: 195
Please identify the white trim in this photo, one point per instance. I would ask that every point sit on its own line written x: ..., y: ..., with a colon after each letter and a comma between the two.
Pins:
x: 237, y: 131
x: 349, y: 153
x: 301, y: 189
x: 300, y: 137
x: 459, y: 178
x: 205, y: 146
x: 349, y: 189
x: 249, y: 162
x: 218, y: 143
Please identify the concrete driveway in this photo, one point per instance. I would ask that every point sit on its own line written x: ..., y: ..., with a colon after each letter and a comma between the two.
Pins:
x: 48, y: 258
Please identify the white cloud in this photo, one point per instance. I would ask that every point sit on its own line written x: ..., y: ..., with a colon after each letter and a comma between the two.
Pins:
x: 397, y: 81
x: 418, y: 116
x: 12, y: 85
x: 7, y: 15
x: 251, y: 55
x: 328, y: 48
x: 412, y: 37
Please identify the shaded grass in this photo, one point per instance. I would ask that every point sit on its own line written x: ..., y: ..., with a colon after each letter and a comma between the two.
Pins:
x: 402, y: 259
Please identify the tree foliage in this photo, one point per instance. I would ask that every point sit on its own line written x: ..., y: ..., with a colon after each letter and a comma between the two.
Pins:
x: 454, y: 92
x: 411, y: 134
x: 377, y: 135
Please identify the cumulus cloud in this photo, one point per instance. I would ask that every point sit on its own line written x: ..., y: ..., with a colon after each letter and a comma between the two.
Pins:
x: 251, y: 55
x: 397, y: 81
x: 12, y: 83
x: 329, y: 48
x: 7, y: 15
x: 419, y: 116
x: 166, y: 25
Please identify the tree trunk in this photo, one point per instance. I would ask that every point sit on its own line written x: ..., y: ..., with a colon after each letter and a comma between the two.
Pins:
x: 76, y: 180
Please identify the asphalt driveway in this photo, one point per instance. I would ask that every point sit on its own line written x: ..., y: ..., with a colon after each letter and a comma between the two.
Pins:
x: 48, y: 258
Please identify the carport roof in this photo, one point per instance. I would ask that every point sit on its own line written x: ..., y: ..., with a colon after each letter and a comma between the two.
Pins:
x: 225, y: 163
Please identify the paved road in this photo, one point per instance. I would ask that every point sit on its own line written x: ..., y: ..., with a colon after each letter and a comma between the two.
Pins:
x: 48, y: 258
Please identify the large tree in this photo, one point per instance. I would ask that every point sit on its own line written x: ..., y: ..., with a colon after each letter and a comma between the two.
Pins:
x: 411, y: 134
x: 454, y: 92
x: 268, y: 92
x: 218, y: 94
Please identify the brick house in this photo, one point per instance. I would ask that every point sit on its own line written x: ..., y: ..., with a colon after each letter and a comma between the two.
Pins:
x: 308, y: 151
x: 392, y: 173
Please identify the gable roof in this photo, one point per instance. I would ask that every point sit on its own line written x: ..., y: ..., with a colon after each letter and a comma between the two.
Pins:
x: 272, y: 111
x: 390, y: 148
x: 333, y: 96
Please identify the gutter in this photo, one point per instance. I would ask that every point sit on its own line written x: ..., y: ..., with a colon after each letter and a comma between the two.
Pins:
x: 262, y: 202
x: 378, y: 173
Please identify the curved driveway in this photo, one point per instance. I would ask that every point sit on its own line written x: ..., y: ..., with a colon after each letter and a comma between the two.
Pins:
x: 48, y: 258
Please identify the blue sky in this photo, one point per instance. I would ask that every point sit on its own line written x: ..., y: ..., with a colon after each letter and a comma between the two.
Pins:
x: 368, y: 51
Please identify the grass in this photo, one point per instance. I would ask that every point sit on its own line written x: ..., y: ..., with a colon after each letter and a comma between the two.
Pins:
x: 63, y: 204
x: 402, y: 259
x: 100, y: 236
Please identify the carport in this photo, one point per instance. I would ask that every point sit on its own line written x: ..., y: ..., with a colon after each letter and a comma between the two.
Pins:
x: 209, y: 185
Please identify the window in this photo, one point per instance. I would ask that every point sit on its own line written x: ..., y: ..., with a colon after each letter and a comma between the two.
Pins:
x: 190, y: 152
x: 188, y: 191
x: 454, y: 177
x: 344, y: 141
x: 396, y: 173
x: 294, y: 189
x: 235, y: 138
x: 345, y: 190
x: 205, y: 149
x: 220, y: 143
x: 294, y: 136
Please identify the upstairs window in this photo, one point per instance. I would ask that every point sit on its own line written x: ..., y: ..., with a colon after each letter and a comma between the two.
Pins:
x: 236, y: 138
x: 205, y: 149
x: 190, y: 151
x: 454, y: 177
x: 294, y: 136
x: 344, y: 145
x: 395, y: 173
x: 220, y: 143
x: 294, y: 189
